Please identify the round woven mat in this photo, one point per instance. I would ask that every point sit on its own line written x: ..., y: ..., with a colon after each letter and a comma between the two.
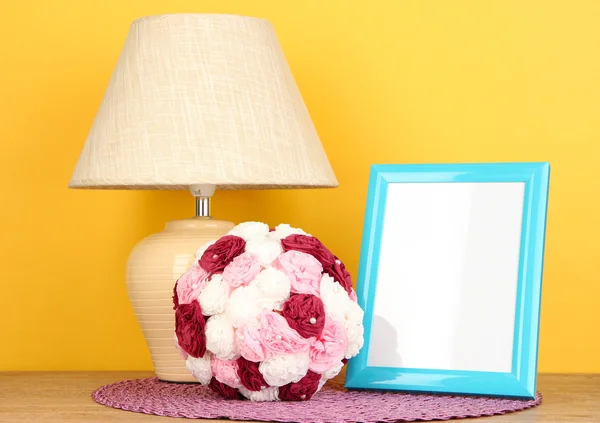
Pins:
x: 332, y: 405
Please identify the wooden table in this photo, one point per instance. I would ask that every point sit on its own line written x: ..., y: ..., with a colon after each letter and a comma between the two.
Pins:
x: 65, y: 397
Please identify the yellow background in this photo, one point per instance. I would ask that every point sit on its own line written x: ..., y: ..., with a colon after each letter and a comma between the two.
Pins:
x: 385, y: 82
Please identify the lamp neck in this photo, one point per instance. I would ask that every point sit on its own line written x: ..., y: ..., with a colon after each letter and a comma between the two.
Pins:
x: 202, y: 193
x: 203, y: 206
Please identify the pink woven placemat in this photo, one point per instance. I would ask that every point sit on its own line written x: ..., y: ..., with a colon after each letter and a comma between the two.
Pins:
x: 332, y: 405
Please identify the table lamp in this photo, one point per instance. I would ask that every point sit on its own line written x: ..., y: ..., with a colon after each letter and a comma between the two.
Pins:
x: 197, y: 102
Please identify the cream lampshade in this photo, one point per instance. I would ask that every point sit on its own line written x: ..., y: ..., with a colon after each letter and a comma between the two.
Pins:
x: 198, y: 102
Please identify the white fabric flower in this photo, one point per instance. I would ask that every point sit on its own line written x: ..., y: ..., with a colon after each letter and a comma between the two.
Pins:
x: 220, y: 337
x: 248, y: 230
x: 274, y: 287
x: 285, y: 230
x: 243, y: 305
x: 200, y: 368
x: 322, y: 382
x: 339, y: 307
x: 335, y: 299
x: 213, y: 298
x: 280, y: 370
x: 333, y: 372
x: 354, y: 329
x: 202, y: 249
x: 355, y: 334
x: 268, y: 394
x: 265, y: 250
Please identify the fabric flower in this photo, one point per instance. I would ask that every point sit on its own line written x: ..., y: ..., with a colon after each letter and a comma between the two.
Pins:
x: 223, y: 390
x: 200, y: 251
x: 249, y: 343
x: 271, y: 335
x: 278, y: 338
x: 352, y: 295
x: 354, y: 329
x: 214, y: 296
x: 302, y: 390
x: 243, y: 305
x: 181, y: 352
x: 220, y: 337
x: 189, y: 327
x: 190, y: 284
x: 338, y: 272
x: 305, y: 314
x: 241, y: 271
x: 303, y: 270
x: 335, y: 299
x: 329, y: 348
x: 248, y: 230
x: 280, y: 370
x: 221, y: 253
x: 226, y: 371
x: 273, y: 288
x: 267, y: 394
x: 265, y: 250
x: 310, y: 245
x: 334, y: 371
x: 285, y: 230
x: 200, y: 368
x: 250, y: 376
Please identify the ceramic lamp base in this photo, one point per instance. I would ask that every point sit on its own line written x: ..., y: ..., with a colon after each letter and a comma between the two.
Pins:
x: 154, y: 265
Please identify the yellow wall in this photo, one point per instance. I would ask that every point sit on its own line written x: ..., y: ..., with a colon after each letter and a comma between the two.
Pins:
x: 385, y: 81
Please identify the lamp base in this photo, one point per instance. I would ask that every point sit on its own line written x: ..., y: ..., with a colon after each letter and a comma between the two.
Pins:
x: 154, y: 265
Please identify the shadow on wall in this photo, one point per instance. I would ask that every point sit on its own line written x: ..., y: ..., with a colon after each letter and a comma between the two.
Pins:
x: 383, y: 351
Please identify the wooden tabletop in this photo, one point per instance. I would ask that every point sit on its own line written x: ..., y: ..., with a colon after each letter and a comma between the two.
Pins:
x: 66, y: 397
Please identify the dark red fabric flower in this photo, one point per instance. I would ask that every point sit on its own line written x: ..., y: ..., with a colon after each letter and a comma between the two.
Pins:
x: 302, y: 390
x: 344, y: 360
x: 310, y: 245
x: 223, y: 390
x: 189, y: 328
x: 221, y: 253
x: 250, y: 376
x: 175, y: 297
x: 338, y: 272
x: 305, y: 313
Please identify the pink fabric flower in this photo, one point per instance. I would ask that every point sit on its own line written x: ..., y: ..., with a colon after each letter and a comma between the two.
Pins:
x: 225, y: 371
x: 272, y: 336
x: 249, y: 344
x: 190, y: 284
x: 241, y: 271
x: 328, y: 349
x: 277, y: 336
x: 221, y: 253
x: 303, y: 270
x: 182, y: 353
x: 311, y: 245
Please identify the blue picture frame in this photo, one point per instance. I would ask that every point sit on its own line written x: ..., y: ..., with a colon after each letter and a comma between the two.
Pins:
x: 521, y: 381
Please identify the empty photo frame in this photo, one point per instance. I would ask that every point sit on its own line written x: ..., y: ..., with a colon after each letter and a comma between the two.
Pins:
x: 450, y: 278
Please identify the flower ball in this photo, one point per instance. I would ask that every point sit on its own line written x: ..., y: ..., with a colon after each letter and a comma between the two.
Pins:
x: 266, y: 314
